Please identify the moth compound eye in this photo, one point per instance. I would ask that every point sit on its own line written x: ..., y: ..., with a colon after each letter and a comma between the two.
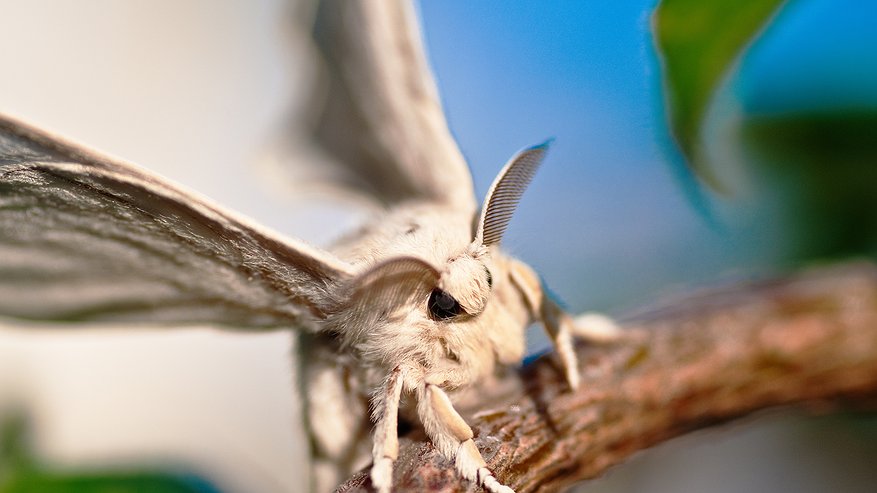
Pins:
x: 489, y: 277
x: 442, y: 305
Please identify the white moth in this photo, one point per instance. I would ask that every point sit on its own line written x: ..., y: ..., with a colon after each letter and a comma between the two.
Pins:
x: 416, y: 307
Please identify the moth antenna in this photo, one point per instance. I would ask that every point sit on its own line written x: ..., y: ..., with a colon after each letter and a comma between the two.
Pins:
x: 388, y: 284
x: 506, y: 192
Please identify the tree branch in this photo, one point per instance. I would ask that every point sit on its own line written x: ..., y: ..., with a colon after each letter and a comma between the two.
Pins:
x: 809, y: 340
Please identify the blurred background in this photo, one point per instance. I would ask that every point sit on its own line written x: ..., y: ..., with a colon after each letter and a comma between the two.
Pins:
x: 773, y: 109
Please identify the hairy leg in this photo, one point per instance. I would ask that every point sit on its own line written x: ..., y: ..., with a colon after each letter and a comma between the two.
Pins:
x: 558, y: 324
x: 385, y: 448
x: 453, y: 437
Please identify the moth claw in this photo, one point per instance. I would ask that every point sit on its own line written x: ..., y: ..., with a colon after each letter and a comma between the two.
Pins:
x: 490, y: 483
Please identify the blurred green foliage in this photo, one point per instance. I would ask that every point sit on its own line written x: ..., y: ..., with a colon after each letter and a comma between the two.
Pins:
x: 101, y: 482
x: 809, y: 170
x: 20, y: 472
x: 699, y: 41
x: 822, y: 168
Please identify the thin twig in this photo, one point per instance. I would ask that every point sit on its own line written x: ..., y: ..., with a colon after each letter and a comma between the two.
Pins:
x: 808, y: 340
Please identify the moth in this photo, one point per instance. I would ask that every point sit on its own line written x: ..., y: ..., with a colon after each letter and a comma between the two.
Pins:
x: 399, y: 318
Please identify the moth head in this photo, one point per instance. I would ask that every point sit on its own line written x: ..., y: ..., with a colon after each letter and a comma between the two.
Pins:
x: 463, y: 288
x: 465, y: 283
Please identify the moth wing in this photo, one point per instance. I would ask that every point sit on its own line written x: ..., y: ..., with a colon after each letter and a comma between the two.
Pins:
x: 84, y: 237
x: 376, y: 112
x: 384, y: 290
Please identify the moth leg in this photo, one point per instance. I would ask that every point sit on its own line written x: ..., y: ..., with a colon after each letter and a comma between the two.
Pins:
x: 453, y: 437
x: 596, y: 327
x: 558, y: 324
x: 335, y: 411
x: 386, y: 435
x: 559, y: 327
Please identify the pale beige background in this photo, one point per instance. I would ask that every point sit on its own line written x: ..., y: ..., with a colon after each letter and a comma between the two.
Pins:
x: 191, y: 90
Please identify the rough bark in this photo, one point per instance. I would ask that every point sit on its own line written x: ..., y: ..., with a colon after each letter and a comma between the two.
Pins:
x: 808, y: 340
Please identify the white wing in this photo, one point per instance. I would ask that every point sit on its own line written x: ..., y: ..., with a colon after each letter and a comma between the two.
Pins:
x: 377, y: 110
x: 86, y: 237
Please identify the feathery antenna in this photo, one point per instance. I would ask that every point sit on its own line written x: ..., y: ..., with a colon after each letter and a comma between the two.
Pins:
x: 506, y: 192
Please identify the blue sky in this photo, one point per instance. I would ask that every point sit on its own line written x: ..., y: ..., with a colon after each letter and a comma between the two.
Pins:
x: 605, y: 208
x: 514, y: 75
x: 818, y: 54
x: 607, y: 221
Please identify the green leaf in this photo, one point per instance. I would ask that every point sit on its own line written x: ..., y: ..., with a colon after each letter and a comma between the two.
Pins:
x: 20, y: 472
x: 819, y: 167
x: 699, y: 41
x: 109, y: 482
